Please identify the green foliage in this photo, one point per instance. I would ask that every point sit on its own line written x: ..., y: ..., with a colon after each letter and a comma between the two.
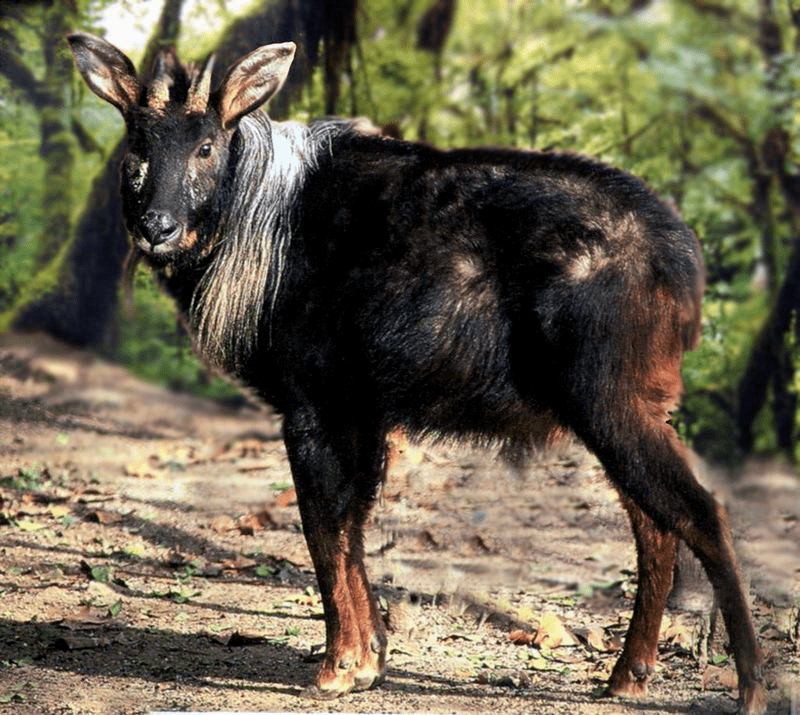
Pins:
x: 21, y: 181
x: 152, y: 344
x: 706, y: 418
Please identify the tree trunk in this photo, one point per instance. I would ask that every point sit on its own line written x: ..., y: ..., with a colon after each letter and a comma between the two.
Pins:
x: 80, y: 307
x: 56, y: 147
x: 767, y: 360
x: 771, y: 362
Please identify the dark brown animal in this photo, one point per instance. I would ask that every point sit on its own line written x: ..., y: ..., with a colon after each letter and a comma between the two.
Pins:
x: 362, y: 284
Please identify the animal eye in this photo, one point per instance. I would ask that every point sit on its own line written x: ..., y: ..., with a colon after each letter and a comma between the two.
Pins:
x: 204, y: 151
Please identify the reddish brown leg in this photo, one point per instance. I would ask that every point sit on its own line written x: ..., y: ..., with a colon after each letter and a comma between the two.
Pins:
x: 336, y: 479
x: 656, y: 552
x: 713, y: 545
x: 355, y: 639
x: 647, y: 463
x: 371, y: 666
x: 668, y: 493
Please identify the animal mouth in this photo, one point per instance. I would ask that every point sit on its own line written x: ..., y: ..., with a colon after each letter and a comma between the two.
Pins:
x: 161, y: 247
x: 165, y: 243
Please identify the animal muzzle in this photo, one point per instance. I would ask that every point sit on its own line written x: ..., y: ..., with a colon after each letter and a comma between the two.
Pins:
x: 159, y: 228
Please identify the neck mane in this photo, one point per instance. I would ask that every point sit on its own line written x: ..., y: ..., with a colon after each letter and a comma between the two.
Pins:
x: 231, y: 310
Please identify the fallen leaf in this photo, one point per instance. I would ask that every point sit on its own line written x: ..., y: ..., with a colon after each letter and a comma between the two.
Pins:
x: 595, y: 638
x: 176, y: 456
x: 552, y: 633
x: 540, y: 664
x: 520, y: 637
x: 239, y: 563
x: 251, y: 523
x: 103, y: 517
x: 717, y: 677
x: 115, y: 609
x: 96, y: 573
x: 141, y: 468
x: 525, y: 614
x: 239, y: 449
x: 59, y: 511
x: 73, y: 642
x: 136, y: 550
x: 286, y: 498
x: 223, y: 523
x: 84, y: 619
x: 29, y: 526
x: 679, y: 632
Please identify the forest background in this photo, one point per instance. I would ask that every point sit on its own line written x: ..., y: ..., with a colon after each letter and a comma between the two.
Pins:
x: 698, y: 97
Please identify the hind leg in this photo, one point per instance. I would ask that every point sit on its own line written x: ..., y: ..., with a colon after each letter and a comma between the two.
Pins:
x: 656, y: 551
x: 711, y: 542
x: 646, y: 462
x: 336, y: 473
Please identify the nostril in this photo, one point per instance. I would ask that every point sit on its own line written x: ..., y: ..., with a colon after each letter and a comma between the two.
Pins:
x: 159, y: 227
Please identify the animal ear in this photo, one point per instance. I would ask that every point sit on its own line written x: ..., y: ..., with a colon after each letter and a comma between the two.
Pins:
x: 253, y: 80
x: 108, y: 72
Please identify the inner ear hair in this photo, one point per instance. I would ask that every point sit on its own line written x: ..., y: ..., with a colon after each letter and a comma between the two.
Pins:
x: 254, y: 80
x: 107, y: 71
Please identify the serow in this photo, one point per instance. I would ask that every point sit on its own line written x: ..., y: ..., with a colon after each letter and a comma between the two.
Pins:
x: 361, y: 284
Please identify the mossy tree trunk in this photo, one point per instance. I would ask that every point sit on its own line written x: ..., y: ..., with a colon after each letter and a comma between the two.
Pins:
x: 57, y: 144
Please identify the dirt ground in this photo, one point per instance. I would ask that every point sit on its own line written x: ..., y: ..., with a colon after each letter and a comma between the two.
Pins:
x: 152, y: 559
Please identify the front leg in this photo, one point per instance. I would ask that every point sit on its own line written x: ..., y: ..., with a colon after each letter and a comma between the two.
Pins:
x: 337, y: 470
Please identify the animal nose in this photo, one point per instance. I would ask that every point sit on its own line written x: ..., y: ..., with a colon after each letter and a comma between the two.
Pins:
x: 159, y: 227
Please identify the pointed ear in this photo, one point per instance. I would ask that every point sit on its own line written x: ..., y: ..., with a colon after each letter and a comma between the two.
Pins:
x: 108, y: 72
x: 253, y: 80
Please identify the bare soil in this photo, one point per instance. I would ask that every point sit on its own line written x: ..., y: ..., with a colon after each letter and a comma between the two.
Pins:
x: 152, y: 558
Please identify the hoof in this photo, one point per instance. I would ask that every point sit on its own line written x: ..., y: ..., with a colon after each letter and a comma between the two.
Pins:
x: 363, y: 680
x: 347, y: 676
x: 753, y: 700
x: 368, y: 679
x: 629, y: 681
x: 314, y: 692
x: 350, y: 668
x: 631, y: 690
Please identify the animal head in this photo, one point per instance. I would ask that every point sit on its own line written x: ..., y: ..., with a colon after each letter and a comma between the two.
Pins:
x: 181, y: 137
